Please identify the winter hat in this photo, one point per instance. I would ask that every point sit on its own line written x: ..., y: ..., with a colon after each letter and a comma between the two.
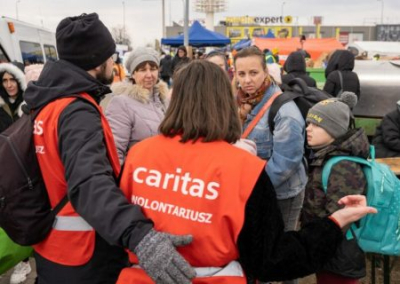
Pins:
x: 333, y: 114
x: 84, y: 41
x: 140, y: 55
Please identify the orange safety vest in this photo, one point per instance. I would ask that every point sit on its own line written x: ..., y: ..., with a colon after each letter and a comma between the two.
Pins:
x: 193, y: 188
x: 71, y: 241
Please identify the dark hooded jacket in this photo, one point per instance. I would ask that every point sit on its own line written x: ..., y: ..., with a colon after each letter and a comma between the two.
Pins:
x: 166, y: 66
x: 346, y: 178
x: 295, y: 67
x: 341, y: 61
x: 92, y: 188
x: 387, y: 136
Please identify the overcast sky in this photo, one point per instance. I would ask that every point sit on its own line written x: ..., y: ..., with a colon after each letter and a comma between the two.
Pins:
x: 143, y: 17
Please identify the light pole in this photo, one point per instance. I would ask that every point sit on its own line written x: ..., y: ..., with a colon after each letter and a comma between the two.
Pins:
x: 381, y: 11
x: 16, y: 8
x: 186, y: 23
x: 164, y: 31
x: 123, y: 16
x: 283, y: 4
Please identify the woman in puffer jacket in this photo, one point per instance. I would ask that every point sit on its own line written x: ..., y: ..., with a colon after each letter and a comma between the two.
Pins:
x: 11, y: 91
x: 138, y: 106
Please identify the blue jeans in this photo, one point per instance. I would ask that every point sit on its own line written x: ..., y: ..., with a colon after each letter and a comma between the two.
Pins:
x: 291, y: 209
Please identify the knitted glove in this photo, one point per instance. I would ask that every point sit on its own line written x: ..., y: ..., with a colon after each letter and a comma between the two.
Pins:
x: 158, y: 257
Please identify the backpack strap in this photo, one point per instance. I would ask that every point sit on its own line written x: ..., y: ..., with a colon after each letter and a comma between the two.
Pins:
x: 257, y: 118
x: 277, y: 104
x: 341, y: 82
x: 333, y: 161
x: 60, y: 205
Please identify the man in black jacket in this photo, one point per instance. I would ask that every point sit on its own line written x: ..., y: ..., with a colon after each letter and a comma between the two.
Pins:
x: 85, y: 48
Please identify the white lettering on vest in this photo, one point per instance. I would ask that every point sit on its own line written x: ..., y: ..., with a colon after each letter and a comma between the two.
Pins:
x: 38, y: 127
x: 136, y: 174
x: 40, y: 150
x: 178, y: 182
x: 171, y: 209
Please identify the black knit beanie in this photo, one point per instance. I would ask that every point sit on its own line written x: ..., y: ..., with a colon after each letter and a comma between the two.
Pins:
x: 84, y: 41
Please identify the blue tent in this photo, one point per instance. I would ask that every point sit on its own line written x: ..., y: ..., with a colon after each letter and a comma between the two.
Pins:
x: 242, y: 44
x: 198, y: 37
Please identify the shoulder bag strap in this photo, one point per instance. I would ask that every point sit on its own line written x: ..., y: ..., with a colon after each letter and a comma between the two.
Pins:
x: 341, y: 81
x: 333, y: 161
x: 257, y: 118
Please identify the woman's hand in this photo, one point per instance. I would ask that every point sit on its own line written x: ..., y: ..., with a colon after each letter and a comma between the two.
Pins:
x: 244, y: 110
x: 355, y: 208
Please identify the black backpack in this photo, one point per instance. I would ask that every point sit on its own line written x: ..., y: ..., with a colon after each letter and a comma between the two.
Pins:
x: 304, y: 97
x: 25, y: 211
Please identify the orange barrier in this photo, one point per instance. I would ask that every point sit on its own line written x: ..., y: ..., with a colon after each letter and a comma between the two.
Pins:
x: 315, y: 47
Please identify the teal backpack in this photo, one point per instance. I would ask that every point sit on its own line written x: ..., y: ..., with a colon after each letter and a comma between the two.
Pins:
x: 377, y: 233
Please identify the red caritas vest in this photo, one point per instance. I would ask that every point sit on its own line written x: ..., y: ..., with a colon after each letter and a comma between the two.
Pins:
x: 193, y: 188
x: 71, y: 241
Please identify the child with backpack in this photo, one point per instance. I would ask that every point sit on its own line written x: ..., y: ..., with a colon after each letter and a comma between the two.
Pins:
x: 329, y: 135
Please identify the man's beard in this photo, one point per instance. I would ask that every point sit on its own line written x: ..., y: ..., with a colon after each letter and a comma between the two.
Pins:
x: 102, y: 76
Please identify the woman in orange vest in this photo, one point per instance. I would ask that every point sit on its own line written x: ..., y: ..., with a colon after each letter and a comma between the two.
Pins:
x: 191, y: 180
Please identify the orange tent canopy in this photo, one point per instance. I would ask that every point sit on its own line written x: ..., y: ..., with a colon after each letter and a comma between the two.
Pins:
x: 315, y: 47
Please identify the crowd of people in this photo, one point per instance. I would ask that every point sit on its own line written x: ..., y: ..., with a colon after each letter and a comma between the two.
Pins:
x: 207, y: 192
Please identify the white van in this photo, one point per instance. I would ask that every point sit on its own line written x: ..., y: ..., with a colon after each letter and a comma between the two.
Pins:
x: 26, y: 43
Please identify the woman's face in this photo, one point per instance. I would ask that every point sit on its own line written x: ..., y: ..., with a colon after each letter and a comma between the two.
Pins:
x: 146, y: 76
x: 10, y: 84
x: 317, y: 136
x: 217, y: 60
x: 250, y: 73
x: 181, y: 53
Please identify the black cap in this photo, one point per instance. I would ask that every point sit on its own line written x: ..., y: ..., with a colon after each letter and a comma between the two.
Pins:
x: 84, y: 41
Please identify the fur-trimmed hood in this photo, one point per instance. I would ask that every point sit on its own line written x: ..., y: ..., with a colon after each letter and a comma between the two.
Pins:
x: 140, y: 94
x: 16, y: 72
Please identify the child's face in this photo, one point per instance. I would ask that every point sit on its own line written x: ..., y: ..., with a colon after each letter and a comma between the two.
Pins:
x: 317, y: 136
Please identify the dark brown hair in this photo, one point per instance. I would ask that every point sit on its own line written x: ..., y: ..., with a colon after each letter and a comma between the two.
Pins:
x: 250, y: 51
x: 142, y: 65
x: 202, y: 105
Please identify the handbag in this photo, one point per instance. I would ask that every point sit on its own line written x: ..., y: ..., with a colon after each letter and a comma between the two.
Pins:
x: 11, y: 253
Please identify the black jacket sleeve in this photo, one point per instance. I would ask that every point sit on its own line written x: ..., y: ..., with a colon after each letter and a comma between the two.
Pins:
x: 92, y: 187
x: 267, y: 253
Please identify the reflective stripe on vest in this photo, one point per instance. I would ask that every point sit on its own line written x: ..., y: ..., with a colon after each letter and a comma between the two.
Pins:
x: 233, y: 269
x: 71, y: 223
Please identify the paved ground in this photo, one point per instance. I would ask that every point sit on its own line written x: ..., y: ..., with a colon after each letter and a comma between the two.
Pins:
x: 395, y: 274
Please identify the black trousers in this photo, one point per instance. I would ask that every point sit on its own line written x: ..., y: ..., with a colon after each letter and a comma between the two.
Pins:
x: 103, y: 268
